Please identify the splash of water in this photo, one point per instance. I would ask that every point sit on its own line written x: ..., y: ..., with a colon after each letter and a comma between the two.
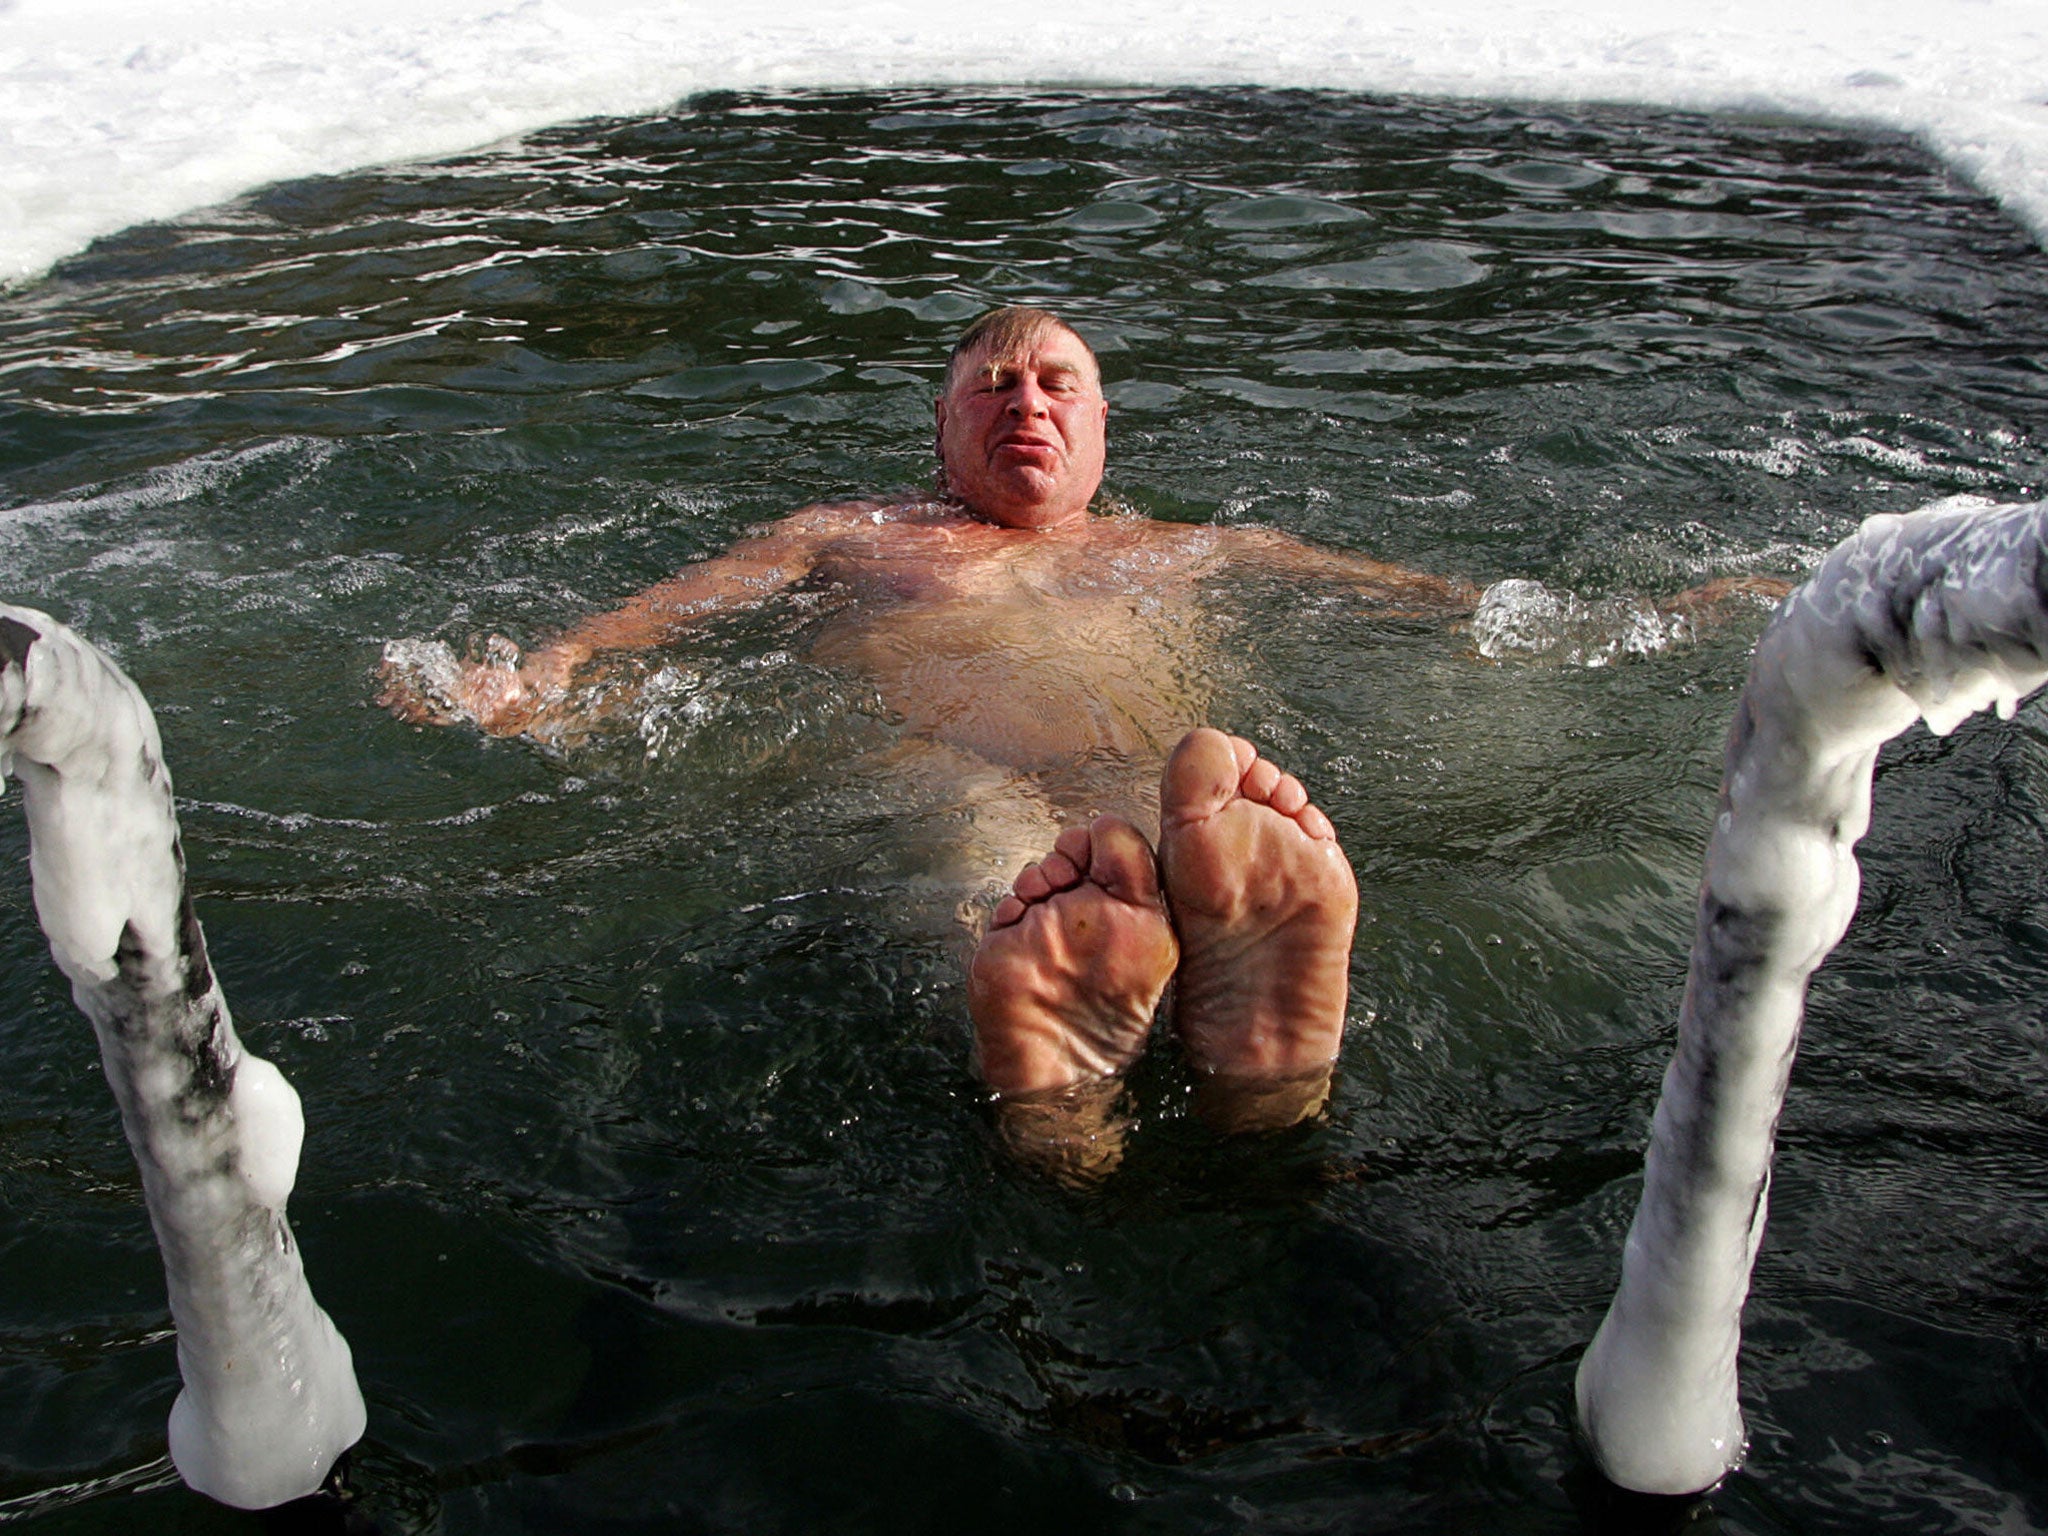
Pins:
x: 1932, y: 615
x: 270, y: 1396
x: 1518, y: 617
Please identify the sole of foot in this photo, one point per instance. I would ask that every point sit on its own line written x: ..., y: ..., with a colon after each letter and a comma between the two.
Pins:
x: 1265, y: 904
x: 1064, y: 984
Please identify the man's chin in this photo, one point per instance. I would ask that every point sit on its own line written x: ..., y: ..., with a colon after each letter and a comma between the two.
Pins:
x: 1018, y: 490
x: 1022, y: 496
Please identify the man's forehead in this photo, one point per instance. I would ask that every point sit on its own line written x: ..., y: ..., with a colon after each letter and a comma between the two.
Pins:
x: 1050, y: 349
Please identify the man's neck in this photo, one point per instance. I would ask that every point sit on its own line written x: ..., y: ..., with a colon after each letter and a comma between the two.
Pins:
x: 1071, y: 521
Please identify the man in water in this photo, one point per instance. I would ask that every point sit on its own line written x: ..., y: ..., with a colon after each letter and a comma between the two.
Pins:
x: 1046, y: 660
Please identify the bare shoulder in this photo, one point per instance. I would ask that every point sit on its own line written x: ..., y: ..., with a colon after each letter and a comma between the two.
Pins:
x: 1252, y: 540
x: 1193, y: 540
x: 1207, y: 549
x: 1188, y: 545
x: 824, y: 521
x: 823, y: 517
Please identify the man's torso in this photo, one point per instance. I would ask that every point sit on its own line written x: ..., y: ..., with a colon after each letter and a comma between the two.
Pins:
x: 1028, y: 649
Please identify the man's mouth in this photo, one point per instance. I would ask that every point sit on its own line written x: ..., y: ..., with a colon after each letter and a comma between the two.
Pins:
x: 1027, y: 447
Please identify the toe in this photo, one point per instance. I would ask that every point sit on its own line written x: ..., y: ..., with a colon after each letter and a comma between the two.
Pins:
x: 1122, y: 862
x: 1202, y: 775
x: 1073, y: 842
x: 1060, y: 872
x: 1288, y: 797
x: 1259, y: 782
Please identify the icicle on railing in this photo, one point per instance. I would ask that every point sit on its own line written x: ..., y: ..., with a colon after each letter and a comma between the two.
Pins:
x: 270, y: 1396
x: 1936, y: 614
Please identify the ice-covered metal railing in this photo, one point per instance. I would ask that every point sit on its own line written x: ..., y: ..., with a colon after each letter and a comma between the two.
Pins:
x: 270, y: 1396
x: 1932, y: 615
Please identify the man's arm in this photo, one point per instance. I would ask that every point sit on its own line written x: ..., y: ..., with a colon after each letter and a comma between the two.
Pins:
x: 1711, y: 600
x: 1421, y: 594
x: 1401, y: 589
x: 506, y: 692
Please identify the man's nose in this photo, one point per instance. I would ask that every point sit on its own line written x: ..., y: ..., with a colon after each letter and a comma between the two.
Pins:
x: 1028, y: 400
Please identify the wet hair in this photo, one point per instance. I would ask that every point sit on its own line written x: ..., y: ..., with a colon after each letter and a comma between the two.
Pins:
x: 1007, y: 332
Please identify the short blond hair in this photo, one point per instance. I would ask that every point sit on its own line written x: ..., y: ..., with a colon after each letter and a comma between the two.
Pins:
x: 1008, y: 331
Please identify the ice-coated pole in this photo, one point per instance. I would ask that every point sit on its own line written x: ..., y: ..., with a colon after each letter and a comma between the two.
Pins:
x: 270, y: 1396
x: 1934, y: 615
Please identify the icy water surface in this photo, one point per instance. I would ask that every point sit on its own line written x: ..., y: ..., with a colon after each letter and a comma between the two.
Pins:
x: 644, y: 1171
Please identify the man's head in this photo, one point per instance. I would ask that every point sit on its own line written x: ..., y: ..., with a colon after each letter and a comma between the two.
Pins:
x: 1022, y: 420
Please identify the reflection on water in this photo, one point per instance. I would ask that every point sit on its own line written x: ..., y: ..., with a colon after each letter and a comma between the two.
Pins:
x: 644, y: 1171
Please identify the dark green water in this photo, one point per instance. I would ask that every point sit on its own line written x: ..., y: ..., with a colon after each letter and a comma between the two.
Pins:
x: 644, y: 1171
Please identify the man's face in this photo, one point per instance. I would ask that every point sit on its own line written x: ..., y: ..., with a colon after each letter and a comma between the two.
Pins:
x: 1022, y: 438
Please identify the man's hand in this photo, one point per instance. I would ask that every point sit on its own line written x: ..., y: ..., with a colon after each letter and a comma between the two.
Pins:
x: 423, y: 681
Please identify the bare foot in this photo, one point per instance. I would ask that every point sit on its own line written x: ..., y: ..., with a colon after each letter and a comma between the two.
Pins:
x: 1066, y: 980
x: 1062, y: 992
x: 1265, y: 903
